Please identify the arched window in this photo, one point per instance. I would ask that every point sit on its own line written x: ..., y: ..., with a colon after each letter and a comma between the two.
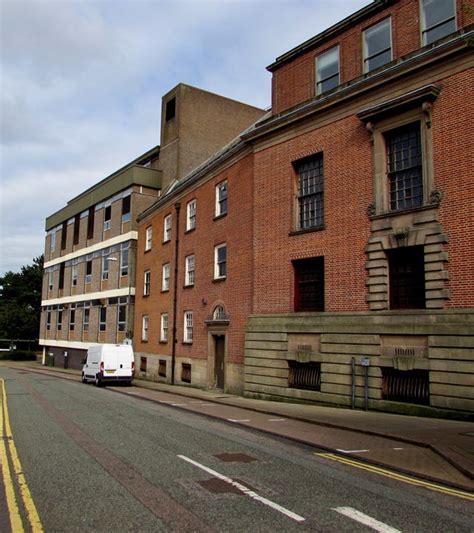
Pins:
x: 219, y: 313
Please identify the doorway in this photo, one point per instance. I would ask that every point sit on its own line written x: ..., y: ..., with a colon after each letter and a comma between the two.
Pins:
x: 219, y: 358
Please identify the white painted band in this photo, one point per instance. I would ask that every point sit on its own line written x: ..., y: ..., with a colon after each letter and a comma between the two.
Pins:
x: 362, y: 518
x: 126, y: 291
x: 67, y: 344
x: 245, y: 490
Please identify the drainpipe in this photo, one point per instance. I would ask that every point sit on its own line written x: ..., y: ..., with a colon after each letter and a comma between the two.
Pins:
x: 177, y: 207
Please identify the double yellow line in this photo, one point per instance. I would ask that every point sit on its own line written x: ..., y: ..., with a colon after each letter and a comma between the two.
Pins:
x: 14, y: 473
x: 398, y: 477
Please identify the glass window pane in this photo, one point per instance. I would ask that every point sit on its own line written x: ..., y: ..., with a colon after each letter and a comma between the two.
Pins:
x: 436, y: 11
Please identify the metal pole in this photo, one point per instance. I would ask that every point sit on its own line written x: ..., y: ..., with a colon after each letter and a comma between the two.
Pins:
x: 366, y: 387
x: 177, y: 207
x: 353, y: 365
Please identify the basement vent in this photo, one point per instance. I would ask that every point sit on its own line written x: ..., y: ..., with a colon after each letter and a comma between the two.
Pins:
x: 142, y: 364
x: 304, y: 375
x: 406, y: 386
x: 186, y: 372
x: 162, y: 368
x: 404, y: 352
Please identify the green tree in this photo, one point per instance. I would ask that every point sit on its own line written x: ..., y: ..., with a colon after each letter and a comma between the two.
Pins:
x: 20, y: 301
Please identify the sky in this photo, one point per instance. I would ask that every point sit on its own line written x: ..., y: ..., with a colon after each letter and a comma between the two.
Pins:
x: 81, y: 85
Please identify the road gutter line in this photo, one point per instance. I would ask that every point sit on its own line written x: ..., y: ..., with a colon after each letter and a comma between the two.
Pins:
x: 398, y: 477
x: 245, y: 490
x: 32, y: 513
x: 367, y: 520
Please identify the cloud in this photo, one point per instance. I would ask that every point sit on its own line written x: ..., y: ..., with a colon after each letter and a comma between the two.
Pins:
x: 82, y: 82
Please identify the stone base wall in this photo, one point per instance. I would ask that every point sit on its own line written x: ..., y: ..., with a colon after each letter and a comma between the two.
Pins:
x: 436, y: 344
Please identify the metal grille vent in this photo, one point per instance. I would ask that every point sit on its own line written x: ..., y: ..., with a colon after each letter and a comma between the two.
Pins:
x: 186, y: 373
x: 162, y: 368
x: 219, y: 486
x: 406, y: 386
x: 304, y: 375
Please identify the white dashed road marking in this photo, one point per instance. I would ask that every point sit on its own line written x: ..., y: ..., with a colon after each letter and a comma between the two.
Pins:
x: 352, y: 451
x: 237, y: 420
x: 367, y: 520
x: 276, y: 419
x: 245, y: 490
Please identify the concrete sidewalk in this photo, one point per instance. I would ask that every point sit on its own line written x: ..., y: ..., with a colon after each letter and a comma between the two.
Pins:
x: 429, y: 441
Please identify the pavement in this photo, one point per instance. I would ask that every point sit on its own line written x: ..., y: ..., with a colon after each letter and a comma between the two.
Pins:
x: 432, y: 449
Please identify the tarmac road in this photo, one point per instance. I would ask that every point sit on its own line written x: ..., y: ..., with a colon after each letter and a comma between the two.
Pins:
x: 94, y: 460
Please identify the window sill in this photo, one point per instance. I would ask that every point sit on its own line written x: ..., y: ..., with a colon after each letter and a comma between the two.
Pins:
x: 218, y: 280
x: 163, y: 342
x: 386, y: 214
x: 145, y: 341
x: 166, y: 242
x: 187, y: 342
x: 222, y: 215
x: 190, y: 230
x: 164, y: 290
x: 307, y: 230
x: 147, y: 250
x: 146, y: 295
x: 190, y: 286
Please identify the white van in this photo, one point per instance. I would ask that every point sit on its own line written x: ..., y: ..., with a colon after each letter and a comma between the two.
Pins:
x: 109, y: 363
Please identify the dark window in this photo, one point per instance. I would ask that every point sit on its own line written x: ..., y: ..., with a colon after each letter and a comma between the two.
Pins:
x: 61, y: 275
x: 170, y: 109
x: 107, y: 217
x: 304, y: 375
x: 103, y: 319
x: 327, y: 70
x: 72, y: 319
x: 64, y: 235
x: 88, y: 271
x: 407, y: 278
x: 438, y: 19
x: 122, y: 317
x: 377, y: 45
x: 162, y: 368
x: 186, y: 372
x: 90, y: 223
x: 60, y: 321
x: 309, y: 284
x: 126, y: 208
x: 77, y: 224
x: 310, y: 192
x: 404, y: 167
x: 142, y: 364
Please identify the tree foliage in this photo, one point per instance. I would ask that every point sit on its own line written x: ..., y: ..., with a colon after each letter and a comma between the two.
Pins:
x: 20, y: 301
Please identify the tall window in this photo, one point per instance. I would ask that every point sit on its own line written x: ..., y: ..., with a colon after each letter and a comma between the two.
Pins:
x: 105, y: 267
x: 64, y: 235
x: 404, y: 167
x: 221, y: 198
x: 107, y: 217
x: 126, y: 202
x: 377, y: 45
x: 74, y: 269
x: 88, y: 270
x: 191, y: 215
x: 310, y: 192
x: 48, y: 320
x: 77, y: 227
x: 124, y: 254
x: 146, y: 283
x: 60, y: 319
x: 165, y: 278
x: 52, y: 246
x: 90, y: 222
x: 407, y: 277
x: 50, y: 280
x: 145, y: 327
x: 122, y: 317
x: 167, y: 228
x: 72, y: 319
x: 189, y: 271
x: 103, y: 319
x: 170, y: 109
x: 164, y: 327
x: 62, y: 267
x: 188, y: 327
x: 327, y: 70
x: 309, y: 284
x: 148, y: 238
x: 438, y: 18
x: 220, y: 261
x: 85, y: 319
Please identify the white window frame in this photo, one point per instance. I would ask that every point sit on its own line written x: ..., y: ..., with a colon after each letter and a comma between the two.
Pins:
x: 424, y: 30
x: 319, y: 80
x: 86, y: 315
x: 52, y: 246
x: 74, y: 274
x: 59, y: 323
x: 167, y: 224
x: 220, y: 198
x: 188, y: 327
x: 216, y: 263
x: 102, y: 323
x: 48, y: 320
x: 164, y: 327
x: 191, y: 215
x: 72, y: 318
x: 189, y: 271
x: 105, y: 267
x: 146, y: 283
x: 366, y: 58
x: 108, y: 222
x: 124, y: 262
x: 165, y: 278
x: 148, y: 238
x: 145, y: 328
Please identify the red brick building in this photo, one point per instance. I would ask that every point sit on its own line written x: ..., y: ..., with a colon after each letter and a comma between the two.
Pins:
x: 346, y: 248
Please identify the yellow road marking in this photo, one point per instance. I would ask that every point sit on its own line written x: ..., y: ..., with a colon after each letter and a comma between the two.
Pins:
x: 32, y: 513
x: 13, y: 510
x: 398, y: 477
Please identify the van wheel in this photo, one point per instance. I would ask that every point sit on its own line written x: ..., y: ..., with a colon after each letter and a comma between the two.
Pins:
x: 97, y: 382
x: 84, y: 380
